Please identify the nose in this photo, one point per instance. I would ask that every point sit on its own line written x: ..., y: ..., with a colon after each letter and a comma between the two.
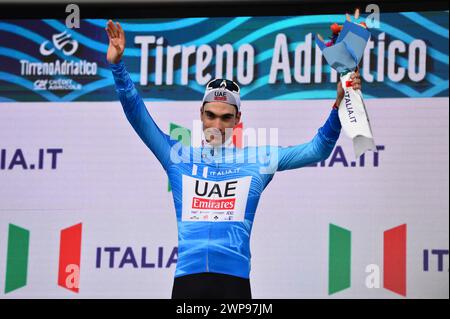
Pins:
x: 217, y: 124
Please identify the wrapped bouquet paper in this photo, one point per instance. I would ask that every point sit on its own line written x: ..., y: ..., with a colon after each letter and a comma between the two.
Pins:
x: 343, y: 53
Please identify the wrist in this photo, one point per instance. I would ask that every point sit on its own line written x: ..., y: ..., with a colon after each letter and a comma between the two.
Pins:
x: 336, y: 104
x: 117, y: 61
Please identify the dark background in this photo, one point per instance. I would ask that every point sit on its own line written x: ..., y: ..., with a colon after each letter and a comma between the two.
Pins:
x: 206, y: 8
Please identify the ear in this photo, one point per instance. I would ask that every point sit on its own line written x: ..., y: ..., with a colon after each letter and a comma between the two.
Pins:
x: 238, y: 117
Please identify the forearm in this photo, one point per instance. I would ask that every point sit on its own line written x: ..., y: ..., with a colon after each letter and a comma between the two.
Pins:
x: 332, y: 127
x: 124, y: 85
x: 137, y: 114
x: 131, y: 101
x: 327, y: 136
x: 121, y: 76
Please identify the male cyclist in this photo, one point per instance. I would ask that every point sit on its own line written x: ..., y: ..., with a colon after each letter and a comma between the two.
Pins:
x: 215, y: 195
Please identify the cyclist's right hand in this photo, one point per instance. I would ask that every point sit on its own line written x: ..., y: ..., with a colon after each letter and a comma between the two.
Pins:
x: 116, y: 37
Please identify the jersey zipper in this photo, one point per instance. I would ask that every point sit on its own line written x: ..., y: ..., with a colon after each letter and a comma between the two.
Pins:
x: 207, y: 249
x: 210, y: 224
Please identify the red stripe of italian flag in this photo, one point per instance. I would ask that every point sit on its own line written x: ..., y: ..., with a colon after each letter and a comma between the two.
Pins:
x: 394, y: 277
x: 69, y: 258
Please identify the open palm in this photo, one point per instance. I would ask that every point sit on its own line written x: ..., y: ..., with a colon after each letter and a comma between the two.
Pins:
x: 116, y: 37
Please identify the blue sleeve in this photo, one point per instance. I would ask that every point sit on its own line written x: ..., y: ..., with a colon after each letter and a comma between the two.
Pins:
x: 138, y: 116
x: 318, y: 149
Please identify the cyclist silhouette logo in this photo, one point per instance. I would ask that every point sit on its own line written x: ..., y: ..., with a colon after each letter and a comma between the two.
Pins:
x: 60, y: 42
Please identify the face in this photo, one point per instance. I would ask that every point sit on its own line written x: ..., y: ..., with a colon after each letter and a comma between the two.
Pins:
x: 216, y: 117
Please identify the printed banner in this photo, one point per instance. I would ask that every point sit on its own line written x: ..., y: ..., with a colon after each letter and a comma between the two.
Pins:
x: 272, y: 58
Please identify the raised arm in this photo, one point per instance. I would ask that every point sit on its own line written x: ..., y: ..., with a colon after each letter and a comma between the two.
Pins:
x: 132, y: 103
x: 318, y: 149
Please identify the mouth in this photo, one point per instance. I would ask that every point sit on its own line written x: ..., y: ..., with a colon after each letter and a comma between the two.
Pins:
x: 214, y: 136
x: 216, y: 140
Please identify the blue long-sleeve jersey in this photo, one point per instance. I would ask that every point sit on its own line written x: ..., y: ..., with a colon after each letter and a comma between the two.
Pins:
x: 216, y: 191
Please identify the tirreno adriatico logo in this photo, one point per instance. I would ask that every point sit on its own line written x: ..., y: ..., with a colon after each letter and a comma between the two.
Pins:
x: 57, y: 67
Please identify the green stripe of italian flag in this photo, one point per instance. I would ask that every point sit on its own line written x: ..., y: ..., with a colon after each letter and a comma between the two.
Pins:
x: 339, y: 259
x: 17, y: 258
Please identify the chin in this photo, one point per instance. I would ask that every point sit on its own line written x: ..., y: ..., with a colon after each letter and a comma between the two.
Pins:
x: 216, y: 142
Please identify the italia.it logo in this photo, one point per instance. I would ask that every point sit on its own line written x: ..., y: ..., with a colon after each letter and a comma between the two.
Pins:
x: 18, y: 253
x: 394, y: 260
